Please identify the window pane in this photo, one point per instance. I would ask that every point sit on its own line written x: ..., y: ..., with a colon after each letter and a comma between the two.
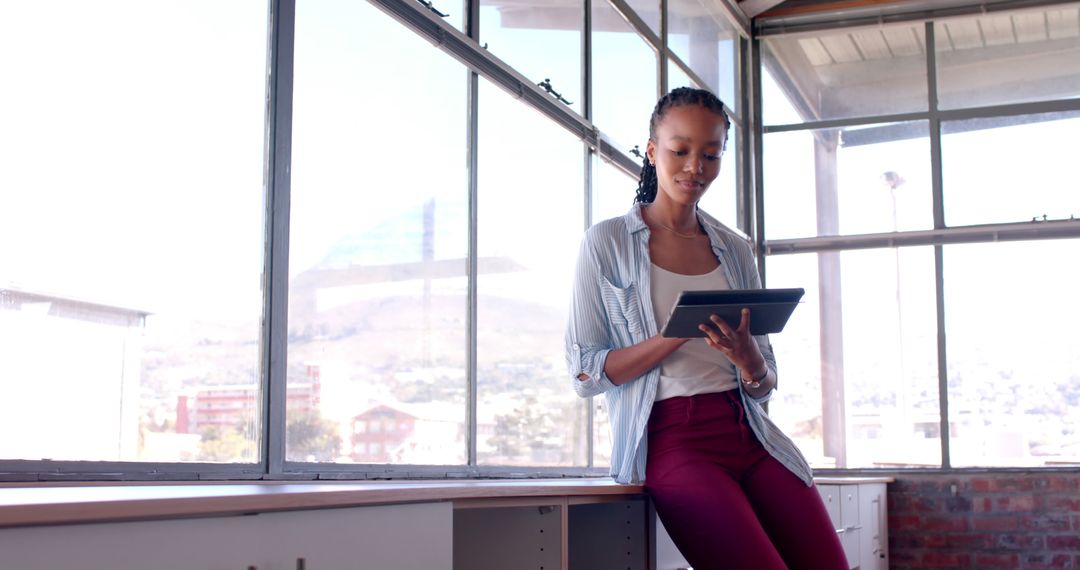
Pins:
x: 541, y: 41
x: 531, y: 185
x: 378, y: 244
x: 720, y: 200
x: 701, y: 36
x: 1014, y: 57
x: 647, y: 10
x: 1014, y: 385
x: 778, y: 108
x: 625, y: 83
x: 132, y: 195
x: 613, y: 191
x: 865, y: 179
x: 1045, y: 184
x: 601, y: 433
x: 679, y: 78
x: 855, y: 72
x: 865, y: 334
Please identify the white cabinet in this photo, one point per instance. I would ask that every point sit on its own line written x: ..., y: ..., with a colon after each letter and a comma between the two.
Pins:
x: 857, y: 510
x: 384, y: 537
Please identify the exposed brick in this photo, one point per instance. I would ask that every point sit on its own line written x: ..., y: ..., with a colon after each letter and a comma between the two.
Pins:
x: 1017, y: 503
x: 1047, y: 561
x: 1063, y: 483
x: 958, y: 504
x: 900, y: 523
x: 1019, y: 483
x: 1063, y: 542
x: 997, y: 561
x: 1076, y: 522
x: 944, y: 523
x: 1026, y: 542
x: 905, y: 542
x: 967, y: 541
x: 981, y: 485
x: 1045, y: 522
x: 936, y: 540
x: 999, y: 522
x: 903, y: 558
x: 915, y: 504
x: 1062, y: 503
x: 946, y: 560
x: 983, y: 505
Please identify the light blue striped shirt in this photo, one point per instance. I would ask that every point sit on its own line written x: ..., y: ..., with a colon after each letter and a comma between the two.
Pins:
x: 611, y: 307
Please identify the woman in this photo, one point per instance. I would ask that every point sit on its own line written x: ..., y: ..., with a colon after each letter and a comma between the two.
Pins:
x: 686, y: 415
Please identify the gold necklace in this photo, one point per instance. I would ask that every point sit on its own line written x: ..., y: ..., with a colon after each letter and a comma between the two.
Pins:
x: 672, y: 230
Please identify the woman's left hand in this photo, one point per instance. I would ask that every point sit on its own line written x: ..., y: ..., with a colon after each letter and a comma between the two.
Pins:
x: 736, y: 344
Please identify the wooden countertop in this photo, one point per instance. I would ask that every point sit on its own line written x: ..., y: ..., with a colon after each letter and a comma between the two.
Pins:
x: 66, y: 504
x: 50, y: 504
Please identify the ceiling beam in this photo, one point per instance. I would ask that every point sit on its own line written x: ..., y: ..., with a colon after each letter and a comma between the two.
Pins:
x: 820, y: 6
x: 754, y: 7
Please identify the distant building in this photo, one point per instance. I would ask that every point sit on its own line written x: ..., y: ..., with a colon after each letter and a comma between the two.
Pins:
x: 76, y: 362
x: 431, y: 433
x: 234, y: 405
x: 379, y: 431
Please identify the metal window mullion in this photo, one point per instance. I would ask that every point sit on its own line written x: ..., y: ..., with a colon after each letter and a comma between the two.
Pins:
x: 663, y: 49
x: 759, y: 162
x: 589, y: 181
x: 472, y: 129
x: 472, y: 136
x: 942, y: 360
x: 736, y: 17
x: 989, y: 111
x: 847, y: 122
x: 279, y: 187
x: 938, y: 202
x: 744, y: 202
x: 637, y: 23
x: 1016, y: 231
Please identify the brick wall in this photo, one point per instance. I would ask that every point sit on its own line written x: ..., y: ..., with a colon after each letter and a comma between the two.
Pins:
x: 1007, y: 520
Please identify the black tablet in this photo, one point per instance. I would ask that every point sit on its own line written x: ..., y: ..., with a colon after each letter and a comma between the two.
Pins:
x: 769, y: 310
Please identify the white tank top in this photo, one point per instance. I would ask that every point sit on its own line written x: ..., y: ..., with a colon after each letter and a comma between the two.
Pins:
x: 694, y: 368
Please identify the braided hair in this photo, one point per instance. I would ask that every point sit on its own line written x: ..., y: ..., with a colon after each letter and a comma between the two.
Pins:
x: 647, y: 183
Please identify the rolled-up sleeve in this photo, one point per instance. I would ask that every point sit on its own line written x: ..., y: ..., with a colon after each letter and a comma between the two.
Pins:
x: 588, y: 337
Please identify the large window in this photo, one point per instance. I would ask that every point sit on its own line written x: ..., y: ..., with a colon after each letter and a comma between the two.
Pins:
x: 908, y: 236
x: 1014, y: 397
x: 132, y: 230
x: 378, y: 245
x: 335, y: 242
x: 540, y: 39
x: 625, y: 79
x: 529, y: 231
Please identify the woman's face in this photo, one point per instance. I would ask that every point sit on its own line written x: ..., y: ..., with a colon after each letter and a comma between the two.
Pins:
x: 686, y: 152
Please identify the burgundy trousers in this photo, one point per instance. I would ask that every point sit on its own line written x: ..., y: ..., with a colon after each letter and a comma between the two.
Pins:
x: 726, y: 502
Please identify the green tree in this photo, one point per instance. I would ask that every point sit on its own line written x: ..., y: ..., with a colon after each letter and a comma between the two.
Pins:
x: 311, y: 437
x: 225, y: 445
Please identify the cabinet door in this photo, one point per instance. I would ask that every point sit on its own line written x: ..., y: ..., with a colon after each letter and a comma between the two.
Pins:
x: 850, y: 524
x: 830, y: 495
x: 874, y: 542
x: 382, y: 537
